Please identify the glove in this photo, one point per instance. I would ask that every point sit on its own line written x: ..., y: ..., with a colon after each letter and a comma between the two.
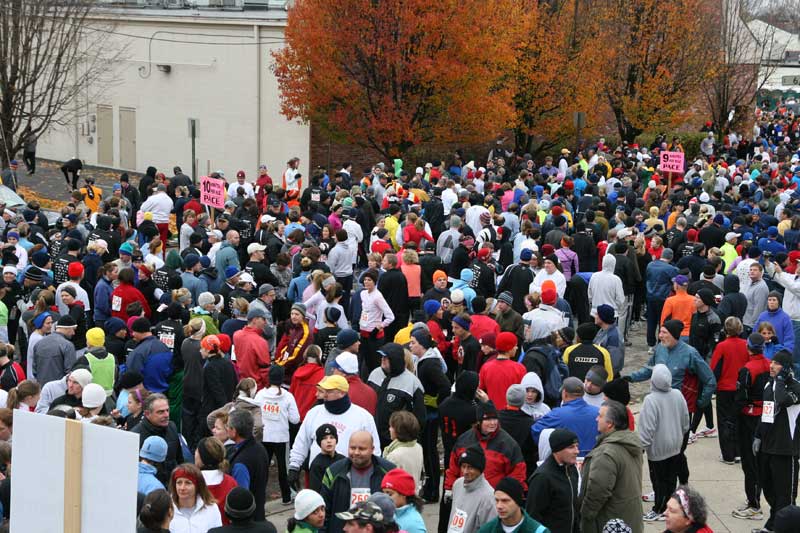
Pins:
x: 785, y: 374
x: 448, y: 497
x: 756, y: 446
x: 293, y: 478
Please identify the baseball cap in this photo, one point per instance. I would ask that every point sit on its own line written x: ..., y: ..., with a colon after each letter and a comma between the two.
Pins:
x: 334, y: 383
x: 255, y: 247
x: 364, y: 511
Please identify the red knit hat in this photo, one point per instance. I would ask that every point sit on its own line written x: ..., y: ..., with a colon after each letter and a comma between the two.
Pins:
x: 506, y: 341
x: 399, y: 480
x: 549, y: 296
x: 75, y: 270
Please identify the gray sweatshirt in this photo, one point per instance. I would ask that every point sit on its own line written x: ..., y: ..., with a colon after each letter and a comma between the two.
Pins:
x: 756, y: 294
x: 473, y: 505
x: 664, y: 418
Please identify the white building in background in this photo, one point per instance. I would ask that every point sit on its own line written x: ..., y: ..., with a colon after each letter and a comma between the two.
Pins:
x: 206, y: 65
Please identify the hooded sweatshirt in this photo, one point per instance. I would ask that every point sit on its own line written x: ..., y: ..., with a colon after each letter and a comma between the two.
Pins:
x: 606, y: 288
x: 664, y: 418
x: 473, y: 504
x: 538, y: 409
x: 457, y: 412
x: 733, y: 303
x: 782, y: 322
x: 464, y: 284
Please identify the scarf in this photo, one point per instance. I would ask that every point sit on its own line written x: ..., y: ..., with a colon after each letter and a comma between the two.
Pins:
x: 339, y: 406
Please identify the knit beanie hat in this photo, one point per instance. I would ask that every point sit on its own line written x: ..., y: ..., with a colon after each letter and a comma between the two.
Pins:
x: 399, y: 480
x: 506, y: 298
x: 306, y: 502
x: 617, y: 525
x: 93, y: 396
x: 783, y: 358
x: 324, y: 430
x: 618, y: 390
x: 513, y: 488
x: 431, y: 307
x: 82, y: 376
x: 473, y: 456
x: 276, y: 374
x: 423, y: 338
x: 587, y: 331
x: 95, y: 337
x: 707, y: 296
x: 562, y: 438
x: 332, y: 314
x: 486, y: 411
x: 755, y: 342
x: 675, y: 327
x: 515, y: 395
x: 240, y: 504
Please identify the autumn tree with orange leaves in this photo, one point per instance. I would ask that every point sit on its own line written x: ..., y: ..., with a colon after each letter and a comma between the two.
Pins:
x: 655, y: 56
x: 393, y: 74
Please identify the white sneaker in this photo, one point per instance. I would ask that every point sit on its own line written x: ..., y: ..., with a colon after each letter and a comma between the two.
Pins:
x: 748, y: 513
x: 651, y: 351
x: 649, y: 497
x: 707, y: 433
x: 692, y: 438
x: 653, y: 516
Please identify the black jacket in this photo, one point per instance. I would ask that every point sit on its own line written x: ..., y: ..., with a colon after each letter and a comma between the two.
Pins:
x: 429, y: 263
x: 553, y: 496
x: 733, y: 303
x: 586, y: 249
x: 459, y: 261
x: 483, y: 278
x: 254, y: 457
x: 174, y: 452
x: 457, y: 412
x: 394, y: 287
x: 517, y: 279
x: 248, y: 526
x: 219, y: 383
x: 317, y: 468
x: 627, y: 272
x: 781, y: 436
x: 434, y: 214
x: 518, y: 424
x: 435, y: 384
x: 712, y: 236
x: 336, y: 489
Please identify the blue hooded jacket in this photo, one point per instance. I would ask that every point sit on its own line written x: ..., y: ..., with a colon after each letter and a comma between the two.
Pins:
x: 463, y: 284
x: 153, y: 360
x: 576, y: 415
x: 679, y: 359
x: 780, y: 320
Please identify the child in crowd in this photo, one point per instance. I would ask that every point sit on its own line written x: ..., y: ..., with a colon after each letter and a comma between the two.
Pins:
x: 327, y: 439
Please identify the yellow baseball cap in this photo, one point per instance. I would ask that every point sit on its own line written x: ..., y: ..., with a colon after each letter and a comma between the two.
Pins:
x: 334, y: 383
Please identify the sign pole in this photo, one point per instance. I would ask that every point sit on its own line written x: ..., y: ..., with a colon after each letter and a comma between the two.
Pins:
x: 73, y: 459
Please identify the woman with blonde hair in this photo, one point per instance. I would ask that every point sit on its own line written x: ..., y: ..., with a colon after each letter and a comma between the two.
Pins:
x: 413, y: 273
x: 155, y: 252
x: 193, y: 504
x: 187, y: 228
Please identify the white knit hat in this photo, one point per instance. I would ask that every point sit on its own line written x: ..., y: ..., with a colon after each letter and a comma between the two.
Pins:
x: 93, y: 396
x: 306, y: 502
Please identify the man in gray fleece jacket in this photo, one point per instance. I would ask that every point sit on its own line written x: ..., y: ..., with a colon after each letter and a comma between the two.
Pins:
x: 663, y: 422
x: 473, y: 497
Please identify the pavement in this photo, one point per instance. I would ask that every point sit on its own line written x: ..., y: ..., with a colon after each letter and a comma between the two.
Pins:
x: 722, y: 485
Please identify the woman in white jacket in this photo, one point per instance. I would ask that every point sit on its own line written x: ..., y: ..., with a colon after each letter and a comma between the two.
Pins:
x: 278, y: 410
x: 195, y: 510
x: 606, y: 288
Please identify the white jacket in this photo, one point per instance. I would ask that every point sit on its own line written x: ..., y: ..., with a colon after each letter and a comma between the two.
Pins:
x: 354, y: 419
x: 606, y: 288
x: 160, y: 205
x: 278, y: 410
x: 791, y: 296
x: 203, y: 518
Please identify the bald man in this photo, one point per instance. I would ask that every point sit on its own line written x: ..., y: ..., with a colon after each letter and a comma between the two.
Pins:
x: 227, y: 255
x: 352, y: 480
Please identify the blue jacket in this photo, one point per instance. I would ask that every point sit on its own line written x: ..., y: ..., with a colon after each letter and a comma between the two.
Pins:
x: 576, y: 415
x: 771, y: 348
x: 147, y: 479
x: 102, y: 300
x: 658, y: 277
x: 297, y: 286
x: 678, y: 359
x: 194, y: 285
x: 153, y: 360
x: 780, y: 320
x: 409, y: 519
x: 226, y: 256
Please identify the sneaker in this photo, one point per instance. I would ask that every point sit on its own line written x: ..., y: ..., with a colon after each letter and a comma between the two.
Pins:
x: 737, y: 460
x: 653, y: 516
x: 749, y: 513
x: 723, y: 461
x: 651, y: 351
x: 290, y: 502
x: 649, y: 497
x: 692, y: 438
x: 761, y: 530
x: 707, y: 433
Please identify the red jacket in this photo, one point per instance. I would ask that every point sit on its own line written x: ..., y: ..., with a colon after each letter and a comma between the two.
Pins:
x: 304, y: 386
x: 126, y: 294
x: 362, y: 394
x: 503, y: 457
x: 194, y: 205
x: 220, y: 492
x: 252, y: 355
x: 481, y: 325
x: 412, y: 234
x: 437, y: 334
x: 496, y: 376
x: 729, y: 356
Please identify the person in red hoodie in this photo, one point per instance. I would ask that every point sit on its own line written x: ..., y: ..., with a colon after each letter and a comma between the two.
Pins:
x: 434, y: 312
x: 252, y: 350
x: 414, y: 231
x: 361, y: 394
x: 305, y: 380
x: 496, y: 376
x: 729, y: 356
x: 752, y: 380
x: 482, y: 323
x: 125, y: 294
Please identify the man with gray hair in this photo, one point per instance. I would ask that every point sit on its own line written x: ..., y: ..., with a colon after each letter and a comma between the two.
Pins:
x: 612, y: 473
x: 248, y: 459
x: 448, y: 240
x: 266, y: 296
x: 227, y: 255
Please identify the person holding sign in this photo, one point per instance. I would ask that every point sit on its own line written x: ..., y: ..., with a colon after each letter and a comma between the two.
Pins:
x: 775, y: 443
x: 352, y: 480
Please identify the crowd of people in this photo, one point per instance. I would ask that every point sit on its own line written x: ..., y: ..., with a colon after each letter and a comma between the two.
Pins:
x: 454, y: 335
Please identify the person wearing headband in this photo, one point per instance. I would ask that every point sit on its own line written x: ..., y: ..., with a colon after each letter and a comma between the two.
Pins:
x: 193, y: 503
x: 686, y: 512
x: 210, y: 459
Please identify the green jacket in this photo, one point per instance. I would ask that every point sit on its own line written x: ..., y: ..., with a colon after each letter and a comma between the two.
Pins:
x: 336, y: 492
x: 528, y: 525
x: 612, y: 482
x: 303, y: 527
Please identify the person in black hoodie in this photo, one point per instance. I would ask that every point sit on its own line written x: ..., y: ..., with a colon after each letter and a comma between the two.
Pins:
x: 219, y: 378
x: 517, y: 423
x: 429, y: 263
x: 733, y: 302
x: 777, y: 441
x: 456, y: 415
x: 397, y: 390
x: 585, y: 247
x: 553, y: 488
x: 431, y: 370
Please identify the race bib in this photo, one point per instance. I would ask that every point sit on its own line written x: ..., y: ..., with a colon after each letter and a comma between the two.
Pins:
x: 363, y: 319
x: 116, y: 303
x: 458, y: 521
x: 168, y: 339
x: 315, y: 196
x: 272, y: 411
x: 768, y: 412
x: 358, y: 495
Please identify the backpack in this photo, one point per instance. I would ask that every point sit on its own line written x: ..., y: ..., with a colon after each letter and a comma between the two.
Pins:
x: 554, y: 369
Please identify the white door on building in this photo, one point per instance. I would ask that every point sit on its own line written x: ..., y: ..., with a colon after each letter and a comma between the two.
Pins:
x: 127, y: 138
x: 105, y: 135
